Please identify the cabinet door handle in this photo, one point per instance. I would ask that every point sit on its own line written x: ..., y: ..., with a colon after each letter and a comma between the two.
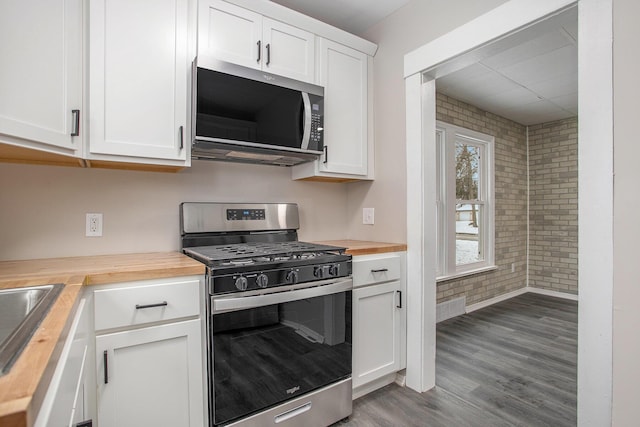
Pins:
x: 160, y: 304
x: 326, y: 154
x: 380, y: 270
x: 399, y: 305
x: 181, y: 137
x: 76, y: 122
x: 105, y: 356
x: 259, y: 50
x: 268, y: 53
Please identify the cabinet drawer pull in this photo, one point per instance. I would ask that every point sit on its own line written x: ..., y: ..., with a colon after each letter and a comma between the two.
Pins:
x: 106, y: 368
x: 268, y: 53
x: 160, y: 304
x: 181, y: 137
x: 380, y: 270
x: 76, y: 122
x: 259, y: 50
x: 399, y: 299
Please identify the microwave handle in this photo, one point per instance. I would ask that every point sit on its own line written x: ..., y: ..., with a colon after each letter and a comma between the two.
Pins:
x: 306, y: 130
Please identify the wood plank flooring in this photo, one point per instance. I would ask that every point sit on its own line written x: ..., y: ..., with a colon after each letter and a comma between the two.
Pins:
x: 510, y: 364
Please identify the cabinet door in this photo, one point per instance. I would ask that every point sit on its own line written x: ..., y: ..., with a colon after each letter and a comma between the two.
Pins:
x: 376, y: 332
x: 138, y: 72
x: 152, y: 377
x: 230, y: 33
x: 343, y: 73
x: 41, y: 72
x: 64, y: 398
x: 288, y: 51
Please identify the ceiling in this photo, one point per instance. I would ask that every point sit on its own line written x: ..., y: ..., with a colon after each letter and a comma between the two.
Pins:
x: 353, y: 16
x: 533, y: 82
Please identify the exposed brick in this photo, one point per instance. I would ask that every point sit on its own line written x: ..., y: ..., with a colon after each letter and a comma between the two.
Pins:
x: 553, y: 209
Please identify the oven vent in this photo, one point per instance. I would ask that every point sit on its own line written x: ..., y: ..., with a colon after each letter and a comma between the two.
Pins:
x: 452, y: 308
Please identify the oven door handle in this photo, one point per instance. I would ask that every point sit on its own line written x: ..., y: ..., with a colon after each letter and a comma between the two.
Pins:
x: 226, y: 304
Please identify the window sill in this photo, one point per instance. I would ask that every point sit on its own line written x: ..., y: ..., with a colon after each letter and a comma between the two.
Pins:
x: 466, y: 273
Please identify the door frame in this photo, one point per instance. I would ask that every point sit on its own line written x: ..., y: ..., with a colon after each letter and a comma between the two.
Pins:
x: 513, y: 22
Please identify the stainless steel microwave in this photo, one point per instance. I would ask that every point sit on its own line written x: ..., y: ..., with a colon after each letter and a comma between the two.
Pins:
x: 247, y: 115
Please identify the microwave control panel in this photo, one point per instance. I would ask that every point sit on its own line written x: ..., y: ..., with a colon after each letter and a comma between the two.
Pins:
x: 317, y: 123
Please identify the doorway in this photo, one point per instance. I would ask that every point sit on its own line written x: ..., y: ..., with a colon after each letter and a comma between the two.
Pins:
x: 511, y: 23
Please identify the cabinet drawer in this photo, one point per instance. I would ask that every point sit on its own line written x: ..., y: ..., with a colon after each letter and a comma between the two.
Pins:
x: 367, y: 270
x: 135, y: 305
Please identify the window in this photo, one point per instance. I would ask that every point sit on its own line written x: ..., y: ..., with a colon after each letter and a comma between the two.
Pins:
x: 465, y: 205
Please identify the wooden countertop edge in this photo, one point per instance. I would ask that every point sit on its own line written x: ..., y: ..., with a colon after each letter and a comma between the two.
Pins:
x: 25, y: 385
x: 128, y: 276
x: 23, y: 388
x: 364, y: 247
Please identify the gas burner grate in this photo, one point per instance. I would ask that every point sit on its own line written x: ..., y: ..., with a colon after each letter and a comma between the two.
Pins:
x: 262, y: 252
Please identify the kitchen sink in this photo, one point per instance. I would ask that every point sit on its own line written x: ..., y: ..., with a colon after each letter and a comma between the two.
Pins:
x: 21, y: 311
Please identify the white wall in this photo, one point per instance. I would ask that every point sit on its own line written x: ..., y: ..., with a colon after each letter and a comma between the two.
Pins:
x: 626, y: 228
x: 42, y: 208
x: 419, y: 22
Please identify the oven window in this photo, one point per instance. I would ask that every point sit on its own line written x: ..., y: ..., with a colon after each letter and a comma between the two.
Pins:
x: 266, y: 355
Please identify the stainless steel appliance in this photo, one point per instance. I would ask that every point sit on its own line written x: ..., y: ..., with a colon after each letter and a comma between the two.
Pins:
x: 278, y: 316
x: 247, y: 115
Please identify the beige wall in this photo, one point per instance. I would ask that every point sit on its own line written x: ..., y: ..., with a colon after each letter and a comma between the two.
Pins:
x: 510, y: 156
x: 626, y: 226
x: 42, y: 208
x: 553, y: 207
x: 419, y: 22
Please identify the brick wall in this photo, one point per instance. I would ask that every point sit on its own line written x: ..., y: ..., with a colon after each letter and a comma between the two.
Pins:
x: 553, y: 210
x: 510, y: 202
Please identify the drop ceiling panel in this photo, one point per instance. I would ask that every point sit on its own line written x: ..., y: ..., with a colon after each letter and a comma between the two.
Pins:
x: 531, y: 49
x: 529, y: 83
x: 545, y: 67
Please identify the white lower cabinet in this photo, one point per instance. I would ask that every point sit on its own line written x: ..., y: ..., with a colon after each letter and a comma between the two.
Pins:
x: 65, y: 401
x: 378, y: 321
x: 149, y: 364
x: 150, y: 376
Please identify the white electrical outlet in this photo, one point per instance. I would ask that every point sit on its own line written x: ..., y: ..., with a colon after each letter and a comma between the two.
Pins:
x: 368, y: 216
x: 94, y: 225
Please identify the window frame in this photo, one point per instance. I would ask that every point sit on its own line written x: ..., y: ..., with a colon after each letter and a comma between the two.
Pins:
x: 447, y: 136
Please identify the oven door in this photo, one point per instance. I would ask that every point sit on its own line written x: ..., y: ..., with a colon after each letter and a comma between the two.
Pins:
x: 269, y: 348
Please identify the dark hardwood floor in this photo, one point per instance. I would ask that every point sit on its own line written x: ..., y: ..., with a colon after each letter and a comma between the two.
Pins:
x: 510, y: 364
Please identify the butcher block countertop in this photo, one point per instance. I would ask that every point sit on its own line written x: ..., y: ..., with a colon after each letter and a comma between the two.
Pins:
x: 363, y: 247
x: 24, y: 386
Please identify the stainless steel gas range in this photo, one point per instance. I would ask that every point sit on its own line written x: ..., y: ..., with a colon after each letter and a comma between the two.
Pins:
x: 278, y: 316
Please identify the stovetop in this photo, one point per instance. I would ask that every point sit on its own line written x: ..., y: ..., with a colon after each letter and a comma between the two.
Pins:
x: 248, y: 253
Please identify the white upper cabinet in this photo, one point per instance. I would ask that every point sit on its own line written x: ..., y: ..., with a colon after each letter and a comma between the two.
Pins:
x: 139, y: 68
x: 348, y: 145
x: 41, y: 74
x: 234, y: 34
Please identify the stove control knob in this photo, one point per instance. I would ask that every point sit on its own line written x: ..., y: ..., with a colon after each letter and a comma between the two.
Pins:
x: 292, y: 277
x: 262, y: 280
x: 241, y: 283
x: 334, y: 269
x: 318, y: 272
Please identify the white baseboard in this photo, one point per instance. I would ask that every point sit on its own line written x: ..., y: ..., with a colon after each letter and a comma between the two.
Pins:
x: 495, y: 300
x: 557, y: 294
x: 517, y: 292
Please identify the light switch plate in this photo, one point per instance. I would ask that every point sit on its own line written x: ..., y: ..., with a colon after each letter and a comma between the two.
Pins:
x: 368, y: 216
